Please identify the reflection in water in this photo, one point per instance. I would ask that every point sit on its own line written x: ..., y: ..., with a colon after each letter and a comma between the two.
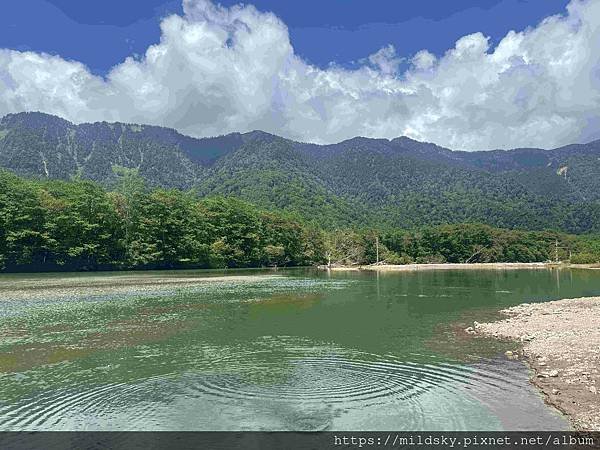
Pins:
x: 301, y: 351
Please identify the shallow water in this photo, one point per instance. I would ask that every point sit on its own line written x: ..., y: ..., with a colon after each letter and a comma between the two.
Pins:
x: 286, y: 350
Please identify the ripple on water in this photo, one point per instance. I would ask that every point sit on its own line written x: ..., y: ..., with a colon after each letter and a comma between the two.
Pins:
x: 273, y: 372
x: 343, y: 374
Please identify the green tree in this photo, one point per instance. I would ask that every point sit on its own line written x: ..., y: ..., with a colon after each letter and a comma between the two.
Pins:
x: 82, y: 225
x: 170, y: 230
x: 24, y: 241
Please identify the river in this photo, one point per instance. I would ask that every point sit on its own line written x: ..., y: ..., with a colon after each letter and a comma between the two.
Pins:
x: 294, y: 349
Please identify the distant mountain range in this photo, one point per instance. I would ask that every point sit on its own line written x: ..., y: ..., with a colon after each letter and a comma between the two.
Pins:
x: 361, y: 181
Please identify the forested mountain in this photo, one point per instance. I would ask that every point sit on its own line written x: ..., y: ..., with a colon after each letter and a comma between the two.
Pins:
x: 399, y: 182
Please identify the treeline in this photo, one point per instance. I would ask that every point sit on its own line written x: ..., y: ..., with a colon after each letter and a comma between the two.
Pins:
x: 460, y: 243
x: 79, y: 225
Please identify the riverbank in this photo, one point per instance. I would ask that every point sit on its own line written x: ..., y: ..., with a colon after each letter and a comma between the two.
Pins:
x: 90, y: 286
x: 585, y: 266
x: 444, y: 266
x: 561, y: 342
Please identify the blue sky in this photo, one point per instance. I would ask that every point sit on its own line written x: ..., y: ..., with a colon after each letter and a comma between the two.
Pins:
x: 464, y: 74
x: 102, y: 33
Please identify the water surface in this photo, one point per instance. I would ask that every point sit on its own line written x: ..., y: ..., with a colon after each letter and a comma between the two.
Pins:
x: 286, y: 350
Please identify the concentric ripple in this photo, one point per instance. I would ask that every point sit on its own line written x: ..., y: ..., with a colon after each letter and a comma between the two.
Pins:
x: 326, y: 374
x: 291, y: 372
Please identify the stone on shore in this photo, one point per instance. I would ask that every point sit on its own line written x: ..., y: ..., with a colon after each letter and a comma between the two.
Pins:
x: 561, y: 341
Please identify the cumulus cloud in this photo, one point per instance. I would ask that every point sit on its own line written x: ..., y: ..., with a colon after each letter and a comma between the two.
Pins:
x: 386, y: 60
x: 217, y: 70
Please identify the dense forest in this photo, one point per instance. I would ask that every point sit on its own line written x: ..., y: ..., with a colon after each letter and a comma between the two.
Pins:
x: 378, y: 183
x: 81, y: 225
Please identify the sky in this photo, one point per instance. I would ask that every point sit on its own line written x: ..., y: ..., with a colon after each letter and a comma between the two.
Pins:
x: 465, y: 74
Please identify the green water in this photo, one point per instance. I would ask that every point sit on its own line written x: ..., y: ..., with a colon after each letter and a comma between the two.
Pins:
x: 286, y: 350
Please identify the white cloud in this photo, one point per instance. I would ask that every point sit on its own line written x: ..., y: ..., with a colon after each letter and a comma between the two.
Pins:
x: 386, y: 60
x: 424, y: 60
x: 217, y: 70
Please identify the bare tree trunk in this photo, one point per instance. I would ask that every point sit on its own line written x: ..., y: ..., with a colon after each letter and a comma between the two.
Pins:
x: 478, y: 252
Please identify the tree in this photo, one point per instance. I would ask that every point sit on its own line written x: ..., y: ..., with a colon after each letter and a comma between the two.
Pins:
x: 22, y: 216
x: 82, y: 225
x: 169, y: 230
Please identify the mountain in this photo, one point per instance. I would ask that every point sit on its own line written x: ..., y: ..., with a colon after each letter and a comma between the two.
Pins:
x: 361, y: 181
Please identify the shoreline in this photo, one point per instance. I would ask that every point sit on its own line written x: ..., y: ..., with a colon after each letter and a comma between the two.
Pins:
x: 560, y: 341
x: 452, y: 266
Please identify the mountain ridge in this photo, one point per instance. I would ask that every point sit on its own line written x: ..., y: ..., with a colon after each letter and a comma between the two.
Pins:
x: 396, y: 182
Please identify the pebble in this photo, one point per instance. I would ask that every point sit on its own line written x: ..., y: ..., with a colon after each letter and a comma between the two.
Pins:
x: 573, y: 342
x: 552, y: 373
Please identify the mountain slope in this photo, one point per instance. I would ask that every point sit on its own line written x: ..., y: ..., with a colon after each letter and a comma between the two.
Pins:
x: 361, y: 181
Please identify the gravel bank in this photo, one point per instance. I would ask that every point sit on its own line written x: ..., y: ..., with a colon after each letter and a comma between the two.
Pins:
x: 444, y: 266
x: 561, y: 342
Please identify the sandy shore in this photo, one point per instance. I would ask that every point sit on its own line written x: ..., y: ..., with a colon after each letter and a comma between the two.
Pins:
x: 445, y: 266
x: 91, y: 286
x: 585, y: 266
x: 561, y: 342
